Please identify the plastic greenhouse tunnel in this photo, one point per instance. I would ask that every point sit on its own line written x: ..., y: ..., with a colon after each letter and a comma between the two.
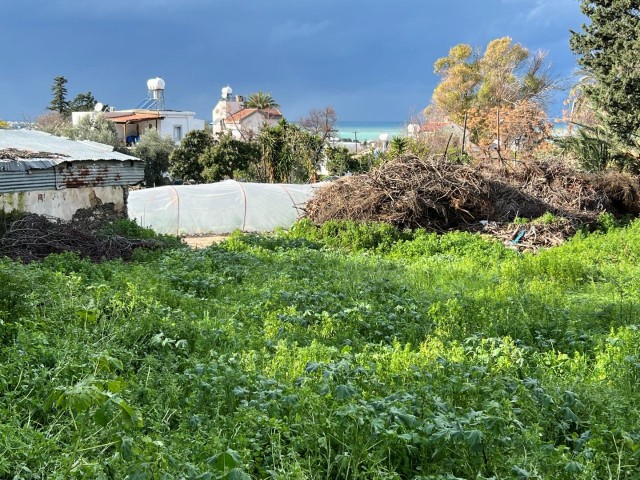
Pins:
x: 219, y: 208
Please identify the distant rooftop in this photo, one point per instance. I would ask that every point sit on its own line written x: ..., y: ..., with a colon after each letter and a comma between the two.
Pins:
x: 246, y: 112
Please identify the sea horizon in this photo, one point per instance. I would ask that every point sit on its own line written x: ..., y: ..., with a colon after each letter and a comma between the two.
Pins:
x: 368, y: 130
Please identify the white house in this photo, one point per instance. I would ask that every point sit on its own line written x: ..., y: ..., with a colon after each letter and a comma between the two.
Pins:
x: 150, y: 113
x: 231, y: 116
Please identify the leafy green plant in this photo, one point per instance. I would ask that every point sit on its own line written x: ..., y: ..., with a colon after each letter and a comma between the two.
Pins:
x: 345, y: 351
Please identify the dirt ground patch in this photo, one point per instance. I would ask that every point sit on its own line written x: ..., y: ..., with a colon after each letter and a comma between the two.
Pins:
x: 203, y: 241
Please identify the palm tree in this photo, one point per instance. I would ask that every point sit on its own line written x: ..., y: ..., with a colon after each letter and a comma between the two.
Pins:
x: 261, y: 100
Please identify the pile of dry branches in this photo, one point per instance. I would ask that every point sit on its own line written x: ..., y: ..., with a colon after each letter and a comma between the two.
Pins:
x: 413, y: 193
x: 34, y: 237
x: 408, y: 193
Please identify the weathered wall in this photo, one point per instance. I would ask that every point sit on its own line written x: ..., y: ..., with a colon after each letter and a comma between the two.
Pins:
x: 64, y: 203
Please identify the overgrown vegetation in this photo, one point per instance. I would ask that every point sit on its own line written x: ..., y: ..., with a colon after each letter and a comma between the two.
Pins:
x: 333, y: 352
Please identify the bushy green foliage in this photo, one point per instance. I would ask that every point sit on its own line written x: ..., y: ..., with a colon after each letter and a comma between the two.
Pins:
x: 228, y: 158
x: 96, y: 128
x: 155, y: 151
x: 608, y: 52
x: 354, y: 236
x: 130, y: 229
x: 401, y: 356
x: 184, y: 160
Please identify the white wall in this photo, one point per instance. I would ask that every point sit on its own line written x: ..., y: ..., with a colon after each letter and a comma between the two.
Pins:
x: 222, y: 110
x: 77, y: 116
x: 63, y: 203
x: 185, y: 120
x: 251, y: 126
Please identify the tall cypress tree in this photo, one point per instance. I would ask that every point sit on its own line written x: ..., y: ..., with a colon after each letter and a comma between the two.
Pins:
x: 59, y: 101
x: 608, y: 48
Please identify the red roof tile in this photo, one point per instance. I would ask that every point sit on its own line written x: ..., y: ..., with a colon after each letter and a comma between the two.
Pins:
x: 246, y: 112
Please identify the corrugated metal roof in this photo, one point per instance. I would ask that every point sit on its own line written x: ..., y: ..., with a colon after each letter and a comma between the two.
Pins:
x: 32, y: 149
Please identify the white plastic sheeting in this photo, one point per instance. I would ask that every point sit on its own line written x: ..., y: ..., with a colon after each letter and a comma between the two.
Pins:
x: 218, y: 208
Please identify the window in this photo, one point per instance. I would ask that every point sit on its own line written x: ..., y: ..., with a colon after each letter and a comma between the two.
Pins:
x: 177, y: 133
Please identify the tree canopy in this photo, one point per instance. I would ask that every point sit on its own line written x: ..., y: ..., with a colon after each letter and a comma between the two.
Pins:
x: 608, y: 48
x: 506, y: 83
x: 83, y: 102
x: 184, y: 161
x: 155, y: 151
x: 505, y: 74
x: 261, y: 100
x: 97, y: 128
x: 59, y: 102
x: 228, y: 158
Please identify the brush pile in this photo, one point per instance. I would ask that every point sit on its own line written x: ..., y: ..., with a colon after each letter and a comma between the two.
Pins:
x: 440, y: 196
x: 410, y: 193
x: 34, y: 237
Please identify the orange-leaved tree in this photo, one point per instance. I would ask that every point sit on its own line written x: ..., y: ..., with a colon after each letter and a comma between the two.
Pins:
x: 484, y: 88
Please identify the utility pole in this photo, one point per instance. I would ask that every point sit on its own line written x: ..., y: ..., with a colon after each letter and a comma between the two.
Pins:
x: 356, y: 137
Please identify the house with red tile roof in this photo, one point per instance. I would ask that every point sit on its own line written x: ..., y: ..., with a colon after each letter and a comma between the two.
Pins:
x: 232, y: 117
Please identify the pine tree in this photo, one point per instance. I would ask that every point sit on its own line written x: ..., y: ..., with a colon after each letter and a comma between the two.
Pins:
x: 83, y: 102
x: 608, y: 48
x: 59, y: 101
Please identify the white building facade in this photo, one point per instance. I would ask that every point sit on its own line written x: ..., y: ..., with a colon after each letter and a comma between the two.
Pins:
x: 149, y: 114
x: 230, y: 116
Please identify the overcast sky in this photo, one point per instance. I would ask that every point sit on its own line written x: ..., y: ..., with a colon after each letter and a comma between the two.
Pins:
x: 372, y: 60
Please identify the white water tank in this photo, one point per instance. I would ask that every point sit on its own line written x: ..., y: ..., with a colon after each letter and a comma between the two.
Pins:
x: 226, y: 92
x: 155, y: 84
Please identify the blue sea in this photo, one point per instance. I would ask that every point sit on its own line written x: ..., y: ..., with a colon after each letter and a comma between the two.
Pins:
x: 369, y: 130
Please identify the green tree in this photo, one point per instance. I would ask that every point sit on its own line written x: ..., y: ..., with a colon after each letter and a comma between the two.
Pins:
x: 155, y: 151
x: 83, y: 102
x: 261, y: 100
x: 287, y: 153
x: 184, y: 161
x: 97, y: 128
x: 307, y: 148
x: 341, y: 161
x: 398, y: 146
x: 59, y: 101
x: 608, y: 49
x: 276, y: 154
x: 228, y: 158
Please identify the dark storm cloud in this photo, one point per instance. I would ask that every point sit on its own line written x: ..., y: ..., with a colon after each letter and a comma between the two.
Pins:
x: 371, y: 60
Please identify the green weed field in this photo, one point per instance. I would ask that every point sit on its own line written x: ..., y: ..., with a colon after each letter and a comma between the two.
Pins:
x: 337, y: 353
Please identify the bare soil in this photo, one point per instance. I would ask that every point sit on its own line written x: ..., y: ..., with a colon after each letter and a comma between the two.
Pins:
x: 203, y: 241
